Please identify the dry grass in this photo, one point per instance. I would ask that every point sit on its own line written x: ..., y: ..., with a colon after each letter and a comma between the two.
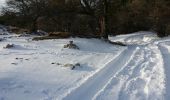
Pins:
x: 60, y: 34
x: 54, y: 35
x: 45, y: 38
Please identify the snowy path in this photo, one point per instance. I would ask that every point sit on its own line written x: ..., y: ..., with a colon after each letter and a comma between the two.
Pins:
x: 93, y: 85
x: 136, y: 81
x: 139, y: 69
x: 165, y: 50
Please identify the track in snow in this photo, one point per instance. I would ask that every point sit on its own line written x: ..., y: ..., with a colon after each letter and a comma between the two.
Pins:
x: 166, y: 57
x: 94, y: 84
x: 140, y: 79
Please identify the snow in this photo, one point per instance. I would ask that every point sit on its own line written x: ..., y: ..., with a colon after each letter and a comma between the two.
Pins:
x: 165, y: 50
x: 2, y: 3
x: 35, y: 70
x: 139, y: 38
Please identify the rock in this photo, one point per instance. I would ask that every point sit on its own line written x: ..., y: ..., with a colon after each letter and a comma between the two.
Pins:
x: 77, y: 64
x: 71, y: 45
x: 72, y: 66
x: 19, y: 58
x: 58, y: 64
x: 14, y: 63
x: 52, y: 63
x: 9, y: 46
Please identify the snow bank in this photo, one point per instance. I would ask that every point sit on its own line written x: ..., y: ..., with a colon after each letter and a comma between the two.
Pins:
x: 139, y: 38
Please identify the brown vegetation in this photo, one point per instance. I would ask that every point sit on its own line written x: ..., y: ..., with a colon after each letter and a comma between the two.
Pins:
x: 60, y: 34
x: 54, y: 35
x: 18, y: 30
x: 89, y: 18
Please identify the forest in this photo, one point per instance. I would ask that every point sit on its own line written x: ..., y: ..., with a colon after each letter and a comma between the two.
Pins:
x: 95, y: 18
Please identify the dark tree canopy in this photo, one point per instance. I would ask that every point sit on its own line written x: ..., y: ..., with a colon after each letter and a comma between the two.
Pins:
x: 89, y: 17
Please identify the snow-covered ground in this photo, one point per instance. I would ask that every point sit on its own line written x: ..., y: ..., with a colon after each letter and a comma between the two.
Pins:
x: 37, y: 70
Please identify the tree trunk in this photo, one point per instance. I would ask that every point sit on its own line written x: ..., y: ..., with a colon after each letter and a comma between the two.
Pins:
x: 104, y: 21
x: 34, y: 25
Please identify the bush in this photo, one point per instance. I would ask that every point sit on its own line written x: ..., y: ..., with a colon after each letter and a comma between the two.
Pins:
x: 60, y: 34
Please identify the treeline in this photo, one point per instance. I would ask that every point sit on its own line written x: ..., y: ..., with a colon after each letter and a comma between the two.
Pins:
x: 89, y: 17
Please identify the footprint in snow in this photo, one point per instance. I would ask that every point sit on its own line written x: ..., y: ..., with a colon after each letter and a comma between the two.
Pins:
x: 14, y: 63
x: 46, y: 92
x: 27, y: 92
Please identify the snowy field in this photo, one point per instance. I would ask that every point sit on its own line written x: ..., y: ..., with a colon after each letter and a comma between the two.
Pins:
x: 38, y: 70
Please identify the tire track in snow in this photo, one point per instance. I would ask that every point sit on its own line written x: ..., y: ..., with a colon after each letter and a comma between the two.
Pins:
x: 95, y: 83
x: 140, y: 79
x: 166, y: 57
x: 146, y: 81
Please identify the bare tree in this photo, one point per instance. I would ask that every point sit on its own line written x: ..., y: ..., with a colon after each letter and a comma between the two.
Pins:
x: 29, y: 10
